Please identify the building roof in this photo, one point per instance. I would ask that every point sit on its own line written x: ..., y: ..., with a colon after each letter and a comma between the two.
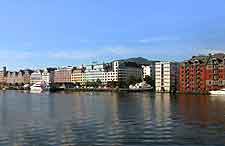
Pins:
x: 203, y: 59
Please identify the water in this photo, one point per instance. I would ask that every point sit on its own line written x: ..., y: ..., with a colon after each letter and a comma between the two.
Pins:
x: 110, y: 119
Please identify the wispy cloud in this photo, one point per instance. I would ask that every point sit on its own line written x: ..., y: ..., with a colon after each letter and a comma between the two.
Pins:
x: 70, y: 55
x: 158, y: 39
x: 151, y: 39
x: 15, y: 55
x: 209, y: 50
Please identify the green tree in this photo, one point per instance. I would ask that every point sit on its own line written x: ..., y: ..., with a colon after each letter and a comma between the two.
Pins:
x: 133, y: 80
x: 88, y: 84
x: 122, y: 84
x: 112, y: 84
x: 149, y: 80
x: 98, y: 82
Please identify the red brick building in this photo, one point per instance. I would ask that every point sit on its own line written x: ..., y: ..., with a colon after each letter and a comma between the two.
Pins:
x: 63, y: 75
x: 201, y: 74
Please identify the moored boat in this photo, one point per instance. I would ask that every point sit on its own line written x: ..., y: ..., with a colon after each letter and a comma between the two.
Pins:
x: 218, y: 92
x: 38, y: 87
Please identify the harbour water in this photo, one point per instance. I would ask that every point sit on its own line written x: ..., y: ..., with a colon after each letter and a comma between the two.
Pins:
x: 110, y: 119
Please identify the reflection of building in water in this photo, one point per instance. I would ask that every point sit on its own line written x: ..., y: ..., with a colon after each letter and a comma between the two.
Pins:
x: 148, y: 107
x: 131, y: 116
x: 111, y: 106
x: 162, y: 106
x: 201, y: 109
x: 67, y: 136
x: 81, y: 105
x: 4, y: 109
x: 51, y: 106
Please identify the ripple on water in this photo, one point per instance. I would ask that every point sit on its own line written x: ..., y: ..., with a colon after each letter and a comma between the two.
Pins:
x: 109, y: 120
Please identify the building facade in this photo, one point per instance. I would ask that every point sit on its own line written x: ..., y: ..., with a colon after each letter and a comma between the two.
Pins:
x: 78, y: 76
x: 149, y: 70
x: 107, y: 72
x: 201, y: 74
x: 21, y: 77
x: 26, y: 76
x: 48, y: 75
x: 166, y: 76
x: 63, y: 75
x: 104, y: 72
x: 36, y: 77
x: 11, y: 78
x: 3, y: 75
x: 126, y: 70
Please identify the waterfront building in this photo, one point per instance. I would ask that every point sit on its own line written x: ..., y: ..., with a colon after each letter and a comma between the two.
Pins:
x: 202, y: 73
x: 3, y: 75
x: 10, y: 78
x: 126, y: 70
x: 15, y: 77
x: 94, y: 72
x: 27, y: 75
x: 36, y: 77
x: 115, y: 71
x: 111, y: 73
x: 104, y: 72
x: 78, y: 75
x: 48, y: 75
x: 149, y: 70
x: 63, y: 75
x: 19, y: 78
x: 166, y: 76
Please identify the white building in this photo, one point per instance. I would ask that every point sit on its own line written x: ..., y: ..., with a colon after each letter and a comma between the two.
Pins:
x: 103, y: 72
x: 36, y: 77
x: 94, y: 72
x: 166, y: 76
x: 149, y: 70
x: 114, y: 71
x: 48, y: 76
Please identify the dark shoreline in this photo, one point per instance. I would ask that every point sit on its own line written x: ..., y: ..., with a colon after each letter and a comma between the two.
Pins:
x: 103, y: 90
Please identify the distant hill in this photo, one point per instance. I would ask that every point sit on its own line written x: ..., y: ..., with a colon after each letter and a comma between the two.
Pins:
x: 139, y: 60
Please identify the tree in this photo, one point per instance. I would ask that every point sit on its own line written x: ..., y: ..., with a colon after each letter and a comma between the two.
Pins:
x: 98, y: 82
x: 93, y: 84
x: 88, y: 83
x: 122, y: 84
x: 133, y: 80
x: 149, y: 80
x: 112, y: 84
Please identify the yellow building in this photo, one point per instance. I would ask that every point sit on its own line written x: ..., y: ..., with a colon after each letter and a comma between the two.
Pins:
x: 78, y: 76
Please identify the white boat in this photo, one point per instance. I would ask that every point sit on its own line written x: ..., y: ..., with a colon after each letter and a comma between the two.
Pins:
x: 26, y: 86
x: 218, y: 92
x: 38, y: 87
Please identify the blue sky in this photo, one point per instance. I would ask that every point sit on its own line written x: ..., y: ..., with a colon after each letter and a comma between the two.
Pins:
x: 40, y: 33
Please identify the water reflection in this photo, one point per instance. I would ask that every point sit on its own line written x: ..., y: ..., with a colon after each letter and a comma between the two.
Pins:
x: 110, y: 119
x: 202, y: 109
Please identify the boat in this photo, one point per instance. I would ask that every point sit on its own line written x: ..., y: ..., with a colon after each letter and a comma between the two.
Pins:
x: 218, y: 92
x: 38, y: 87
x: 26, y: 86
